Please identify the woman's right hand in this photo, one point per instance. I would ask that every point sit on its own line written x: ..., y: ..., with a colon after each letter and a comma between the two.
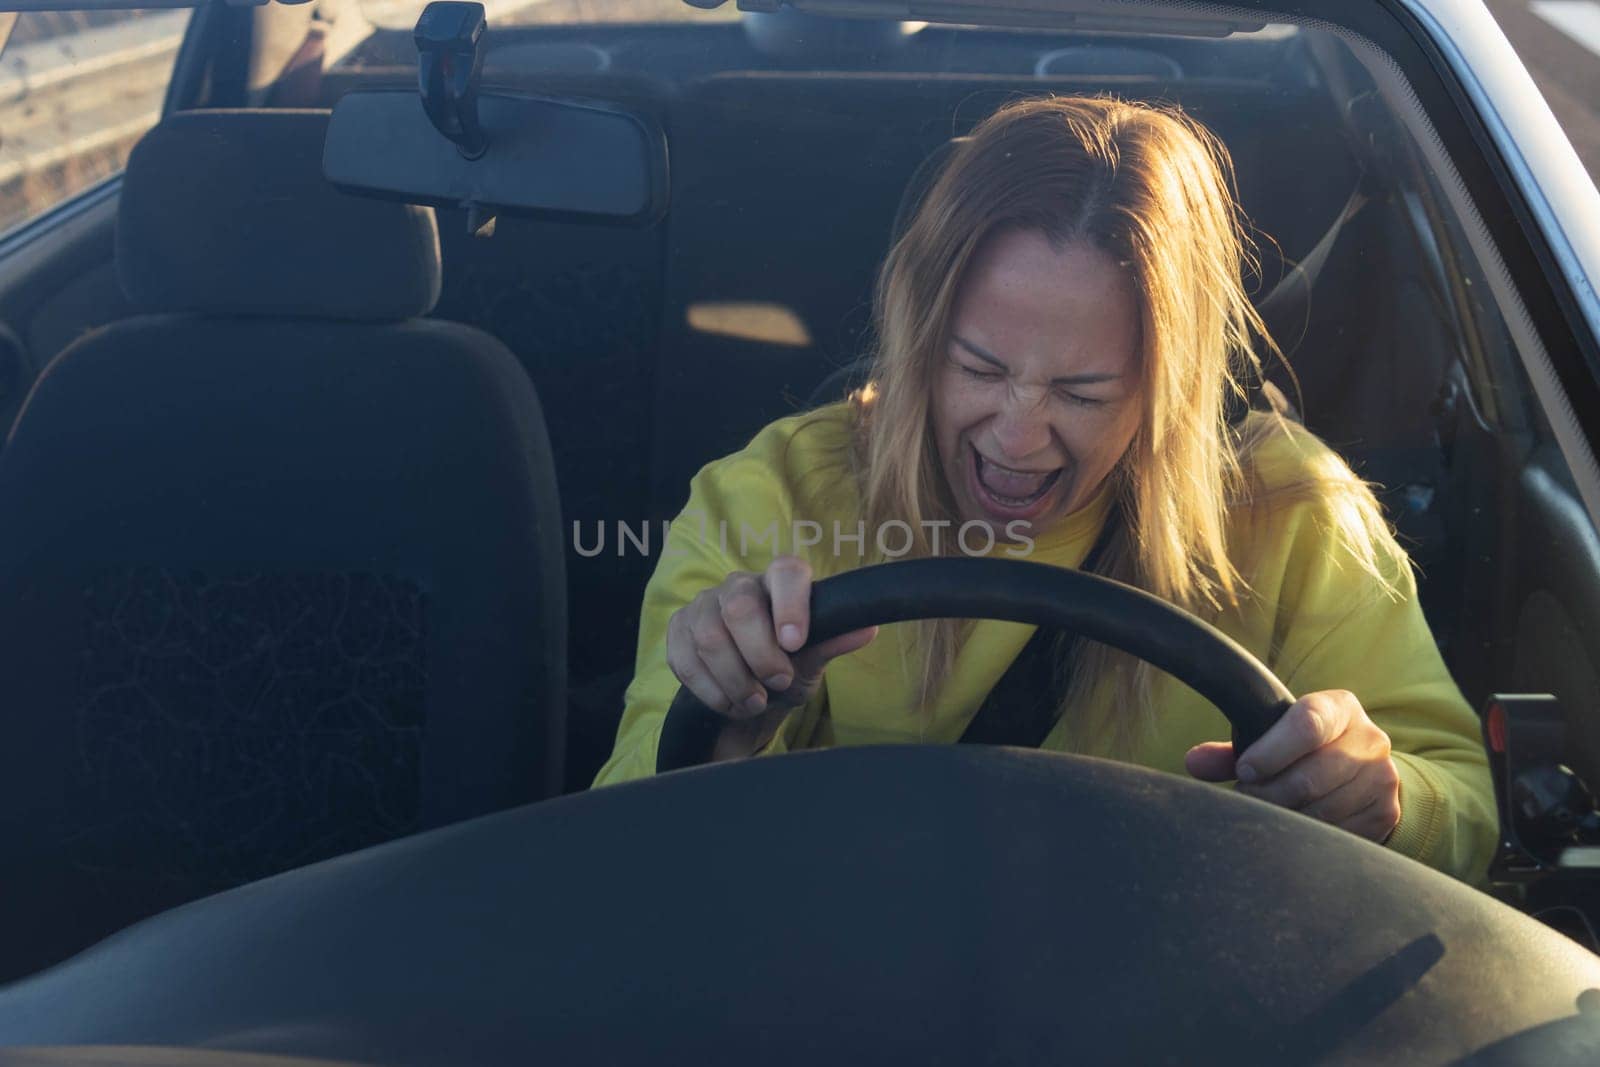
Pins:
x: 737, y: 646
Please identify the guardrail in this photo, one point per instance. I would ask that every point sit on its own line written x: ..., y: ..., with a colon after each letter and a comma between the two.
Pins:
x: 67, y: 99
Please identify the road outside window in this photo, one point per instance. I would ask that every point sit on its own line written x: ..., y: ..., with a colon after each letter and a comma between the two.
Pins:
x: 77, y: 89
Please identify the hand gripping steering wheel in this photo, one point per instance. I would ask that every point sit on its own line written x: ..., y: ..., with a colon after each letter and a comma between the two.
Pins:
x: 1099, y: 609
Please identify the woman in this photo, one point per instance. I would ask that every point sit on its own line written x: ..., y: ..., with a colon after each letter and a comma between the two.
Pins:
x: 1061, y: 330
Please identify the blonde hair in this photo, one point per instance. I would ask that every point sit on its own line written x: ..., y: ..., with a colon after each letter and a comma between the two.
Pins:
x: 1153, y: 189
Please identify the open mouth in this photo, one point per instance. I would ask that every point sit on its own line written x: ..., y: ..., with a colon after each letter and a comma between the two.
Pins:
x: 1014, y: 493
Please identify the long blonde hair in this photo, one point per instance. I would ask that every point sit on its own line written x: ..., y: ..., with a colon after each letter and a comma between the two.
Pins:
x: 1153, y: 189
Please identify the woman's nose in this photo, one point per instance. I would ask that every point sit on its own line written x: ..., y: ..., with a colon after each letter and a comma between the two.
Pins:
x: 1022, y: 428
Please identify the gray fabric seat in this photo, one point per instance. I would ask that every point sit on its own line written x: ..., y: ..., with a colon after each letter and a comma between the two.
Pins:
x: 282, y: 561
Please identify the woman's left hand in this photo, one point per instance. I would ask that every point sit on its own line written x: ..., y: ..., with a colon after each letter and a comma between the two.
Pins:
x: 1324, y: 758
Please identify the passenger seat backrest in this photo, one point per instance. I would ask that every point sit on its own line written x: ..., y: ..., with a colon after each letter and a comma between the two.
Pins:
x: 282, y: 560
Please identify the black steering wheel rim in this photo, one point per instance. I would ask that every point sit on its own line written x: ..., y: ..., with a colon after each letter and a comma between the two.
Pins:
x: 1099, y: 609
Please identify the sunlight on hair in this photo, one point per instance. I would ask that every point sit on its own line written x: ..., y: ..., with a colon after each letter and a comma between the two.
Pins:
x: 771, y: 324
x: 1153, y: 189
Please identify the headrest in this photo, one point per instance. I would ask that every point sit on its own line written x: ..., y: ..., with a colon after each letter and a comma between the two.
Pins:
x: 919, y: 185
x: 227, y: 213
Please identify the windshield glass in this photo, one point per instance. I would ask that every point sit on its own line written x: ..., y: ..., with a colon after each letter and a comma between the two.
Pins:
x: 800, y: 144
x: 1387, y: 301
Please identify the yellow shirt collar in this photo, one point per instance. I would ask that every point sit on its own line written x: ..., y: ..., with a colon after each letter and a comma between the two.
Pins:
x: 1067, y: 540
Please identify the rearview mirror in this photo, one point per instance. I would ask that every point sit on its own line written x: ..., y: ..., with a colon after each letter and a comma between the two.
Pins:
x: 564, y: 159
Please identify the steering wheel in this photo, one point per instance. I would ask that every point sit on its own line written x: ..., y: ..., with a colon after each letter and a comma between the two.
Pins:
x: 1113, y: 613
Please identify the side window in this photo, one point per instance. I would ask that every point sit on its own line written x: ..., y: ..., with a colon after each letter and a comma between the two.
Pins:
x: 77, y: 90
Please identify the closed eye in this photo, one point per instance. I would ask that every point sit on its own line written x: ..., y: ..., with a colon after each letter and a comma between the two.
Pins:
x: 982, y: 374
x: 1079, y: 399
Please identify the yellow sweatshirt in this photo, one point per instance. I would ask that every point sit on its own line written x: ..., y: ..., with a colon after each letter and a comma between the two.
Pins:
x: 1314, y: 617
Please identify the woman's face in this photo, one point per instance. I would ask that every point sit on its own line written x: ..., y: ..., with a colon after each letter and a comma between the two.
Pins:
x: 1037, y: 397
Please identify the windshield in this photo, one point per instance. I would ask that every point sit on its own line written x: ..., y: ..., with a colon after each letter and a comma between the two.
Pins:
x: 322, y: 606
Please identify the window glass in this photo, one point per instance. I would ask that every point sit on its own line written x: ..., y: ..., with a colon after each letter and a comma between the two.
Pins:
x: 77, y: 89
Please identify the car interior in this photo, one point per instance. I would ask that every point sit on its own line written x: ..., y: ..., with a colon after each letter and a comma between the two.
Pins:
x: 293, y: 496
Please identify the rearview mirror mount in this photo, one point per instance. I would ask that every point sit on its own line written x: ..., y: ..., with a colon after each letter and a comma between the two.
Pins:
x: 452, y: 145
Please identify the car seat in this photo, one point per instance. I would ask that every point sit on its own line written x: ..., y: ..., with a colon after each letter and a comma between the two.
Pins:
x: 282, y: 559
